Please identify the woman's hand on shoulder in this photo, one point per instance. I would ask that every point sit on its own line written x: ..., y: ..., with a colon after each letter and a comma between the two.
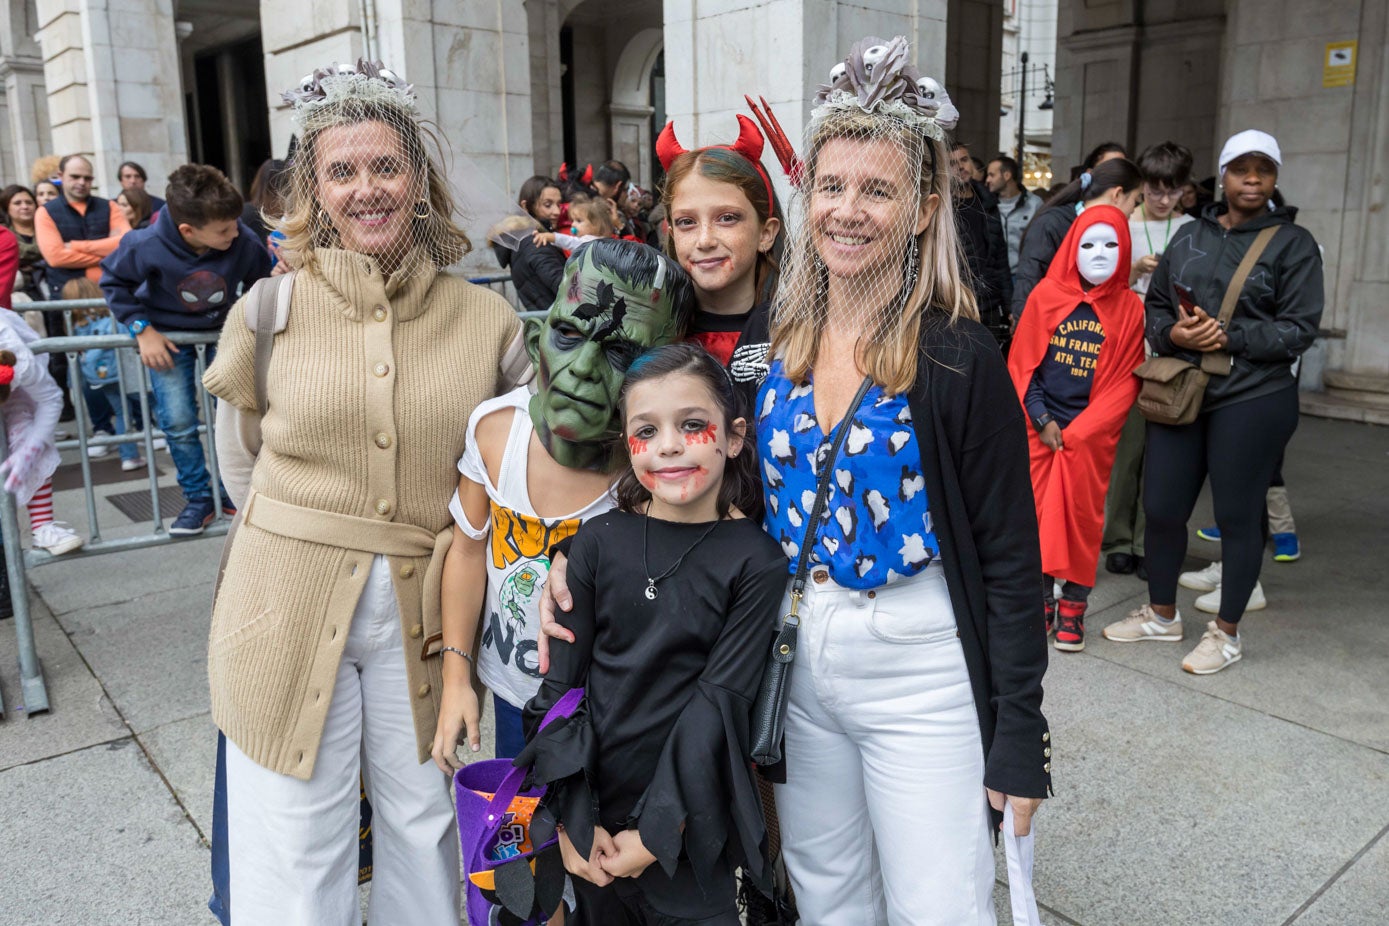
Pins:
x: 1023, y: 809
x: 556, y: 595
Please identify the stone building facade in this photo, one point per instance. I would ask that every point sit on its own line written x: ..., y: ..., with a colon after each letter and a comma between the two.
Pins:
x: 518, y: 86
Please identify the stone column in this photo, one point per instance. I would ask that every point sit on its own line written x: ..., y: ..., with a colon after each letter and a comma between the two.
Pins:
x: 25, y: 97
x: 974, y: 60
x: 782, y: 50
x: 114, y: 92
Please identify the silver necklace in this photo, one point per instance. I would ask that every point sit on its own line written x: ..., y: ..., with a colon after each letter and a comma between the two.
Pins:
x: 652, y: 580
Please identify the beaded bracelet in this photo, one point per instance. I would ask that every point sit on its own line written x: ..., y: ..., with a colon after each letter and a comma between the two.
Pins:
x: 454, y: 649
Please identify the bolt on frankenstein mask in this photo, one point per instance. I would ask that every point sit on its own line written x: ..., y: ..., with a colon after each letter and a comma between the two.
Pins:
x: 616, y: 300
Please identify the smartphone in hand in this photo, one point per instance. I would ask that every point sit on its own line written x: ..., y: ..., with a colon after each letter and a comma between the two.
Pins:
x: 1186, y: 298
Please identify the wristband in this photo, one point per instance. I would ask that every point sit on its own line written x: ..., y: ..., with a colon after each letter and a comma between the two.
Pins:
x: 454, y: 649
x: 1042, y: 420
x: 138, y: 326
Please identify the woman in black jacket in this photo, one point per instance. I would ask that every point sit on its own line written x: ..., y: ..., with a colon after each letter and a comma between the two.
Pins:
x: 1115, y: 182
x: 1248, y: 414
x: 536, y: 269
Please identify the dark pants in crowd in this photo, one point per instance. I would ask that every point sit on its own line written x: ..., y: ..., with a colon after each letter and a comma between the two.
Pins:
x: 1123, y: 503
x: 1239, y: 447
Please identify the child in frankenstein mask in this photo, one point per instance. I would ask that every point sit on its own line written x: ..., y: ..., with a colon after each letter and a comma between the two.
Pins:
x: 538, y: 463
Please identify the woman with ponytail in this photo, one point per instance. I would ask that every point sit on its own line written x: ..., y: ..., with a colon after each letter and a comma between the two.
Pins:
x: 1115, y: 182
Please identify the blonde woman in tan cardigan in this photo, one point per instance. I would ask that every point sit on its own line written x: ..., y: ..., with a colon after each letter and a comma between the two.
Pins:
x: 325, y: 657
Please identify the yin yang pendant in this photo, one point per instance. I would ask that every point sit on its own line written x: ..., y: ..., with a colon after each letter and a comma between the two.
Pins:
x: 651, y: 592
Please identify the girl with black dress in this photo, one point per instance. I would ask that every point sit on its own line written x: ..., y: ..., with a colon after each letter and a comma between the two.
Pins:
x: 675, y: 598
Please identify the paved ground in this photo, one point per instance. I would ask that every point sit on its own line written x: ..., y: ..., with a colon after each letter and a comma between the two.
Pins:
x: 1257, y: 796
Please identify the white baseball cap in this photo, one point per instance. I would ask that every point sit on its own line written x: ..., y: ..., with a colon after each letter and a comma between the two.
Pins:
x: 1250, y: 141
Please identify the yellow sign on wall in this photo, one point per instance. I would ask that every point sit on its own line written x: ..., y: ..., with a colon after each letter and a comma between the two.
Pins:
x: 1338, y: 67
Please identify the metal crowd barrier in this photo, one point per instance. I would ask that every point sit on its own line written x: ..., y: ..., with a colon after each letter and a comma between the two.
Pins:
x: 19, y: 561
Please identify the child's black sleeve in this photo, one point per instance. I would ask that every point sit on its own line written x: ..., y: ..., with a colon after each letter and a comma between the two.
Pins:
x: 703, y: 799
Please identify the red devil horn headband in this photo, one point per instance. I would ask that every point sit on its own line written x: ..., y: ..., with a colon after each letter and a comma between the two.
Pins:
x: 749, y: 145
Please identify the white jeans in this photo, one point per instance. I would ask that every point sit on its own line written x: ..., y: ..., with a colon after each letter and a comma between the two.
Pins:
x: 884, y: 818
x: 293, y: 844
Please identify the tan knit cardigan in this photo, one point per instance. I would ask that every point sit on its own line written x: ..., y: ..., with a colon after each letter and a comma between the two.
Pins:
x: 370, y: 388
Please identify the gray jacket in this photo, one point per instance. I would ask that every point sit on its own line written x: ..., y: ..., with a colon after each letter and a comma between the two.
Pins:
x: 1015, y: 218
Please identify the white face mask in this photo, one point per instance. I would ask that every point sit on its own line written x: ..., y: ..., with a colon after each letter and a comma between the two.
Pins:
x: 1098, y: 255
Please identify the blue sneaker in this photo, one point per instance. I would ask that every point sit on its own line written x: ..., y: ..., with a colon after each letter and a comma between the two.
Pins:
x: 194, y: 517
x: 1286, y: 549
x: 1209, y: 533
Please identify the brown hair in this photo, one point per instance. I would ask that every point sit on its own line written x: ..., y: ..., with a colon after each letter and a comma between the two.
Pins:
x: 596, y: 211
x: 139, y: 201
x: 198, y: 194
x: 723, y: 165
x: 890, y: 354
x: 7, y: 195
x: 83, y: 288
x: 44, y: 168
x: 267, y: 193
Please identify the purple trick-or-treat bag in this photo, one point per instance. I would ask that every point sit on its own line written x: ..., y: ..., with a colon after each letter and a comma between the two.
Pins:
x: 526, y: 885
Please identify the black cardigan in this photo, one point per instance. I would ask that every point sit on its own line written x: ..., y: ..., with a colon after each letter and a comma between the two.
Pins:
x: 972, y: 437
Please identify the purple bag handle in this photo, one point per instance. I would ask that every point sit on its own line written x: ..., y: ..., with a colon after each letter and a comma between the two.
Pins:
x: 511, y: 785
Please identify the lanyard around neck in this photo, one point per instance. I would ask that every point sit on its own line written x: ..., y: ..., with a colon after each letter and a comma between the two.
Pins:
x: 1166, y: 235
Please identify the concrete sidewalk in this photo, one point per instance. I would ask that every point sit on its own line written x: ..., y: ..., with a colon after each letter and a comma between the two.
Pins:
x: 1256, y: 796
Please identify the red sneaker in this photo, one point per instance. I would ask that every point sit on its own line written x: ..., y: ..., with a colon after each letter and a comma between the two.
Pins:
x: 1070, y: 626
x: 1049, y: 605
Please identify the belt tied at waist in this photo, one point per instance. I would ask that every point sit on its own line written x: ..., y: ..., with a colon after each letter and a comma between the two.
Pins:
x: 366, y: 535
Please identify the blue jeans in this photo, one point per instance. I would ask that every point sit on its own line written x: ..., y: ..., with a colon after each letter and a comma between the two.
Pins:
x: 511, y: 735
x: 176, y: 410
x: 112, y: 393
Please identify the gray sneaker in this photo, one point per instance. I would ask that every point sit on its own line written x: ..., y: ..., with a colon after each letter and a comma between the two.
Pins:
x: 1216, y: 650
x: 1144, y: 624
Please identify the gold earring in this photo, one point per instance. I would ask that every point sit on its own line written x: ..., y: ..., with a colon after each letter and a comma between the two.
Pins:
x: 422, y: 204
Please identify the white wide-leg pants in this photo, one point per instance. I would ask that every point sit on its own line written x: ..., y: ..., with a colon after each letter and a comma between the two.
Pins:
x: 293, y: 844
x: 884, y: 818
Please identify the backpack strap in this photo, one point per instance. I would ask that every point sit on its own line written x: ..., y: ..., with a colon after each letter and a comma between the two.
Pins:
x: 267, y: 314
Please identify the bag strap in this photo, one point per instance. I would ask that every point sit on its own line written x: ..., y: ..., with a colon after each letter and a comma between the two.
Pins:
x: 1218, y: 361
x: 510, y: 785
x: 822, y: 493
x: 267, y: 315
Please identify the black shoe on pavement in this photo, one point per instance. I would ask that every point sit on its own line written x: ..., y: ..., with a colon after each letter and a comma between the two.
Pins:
x: 1140, y: 568
x: 194, y: 517
x: 1120, y: 563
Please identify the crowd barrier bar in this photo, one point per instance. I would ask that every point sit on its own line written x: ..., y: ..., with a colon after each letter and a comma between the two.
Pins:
x: 18, y: 561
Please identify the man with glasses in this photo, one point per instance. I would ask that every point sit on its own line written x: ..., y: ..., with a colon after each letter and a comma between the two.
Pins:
x: 76, y: 230
x: 1166, y: 168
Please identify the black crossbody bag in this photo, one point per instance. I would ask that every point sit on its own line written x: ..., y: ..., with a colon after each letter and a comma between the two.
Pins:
x: 769, y: 710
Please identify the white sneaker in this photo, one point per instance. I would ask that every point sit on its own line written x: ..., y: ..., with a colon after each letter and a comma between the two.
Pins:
x: 1202, y: 580
x: 1210, y: 602
x: 97, y: 451
x: 1216, y: 650
x: 129, y: 466
x: 161, y: 444
x: 57, y: 538
x: 1144, y: 624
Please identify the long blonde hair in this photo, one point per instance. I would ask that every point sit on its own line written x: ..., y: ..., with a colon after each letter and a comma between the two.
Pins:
x: 890, y: 351
x: 305, y: 225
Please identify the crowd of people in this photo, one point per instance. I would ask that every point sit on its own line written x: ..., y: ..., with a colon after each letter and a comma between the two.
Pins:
x: 845, y: 453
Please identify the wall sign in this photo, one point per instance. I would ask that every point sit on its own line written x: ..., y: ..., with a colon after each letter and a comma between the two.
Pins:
x: 1338, y: 67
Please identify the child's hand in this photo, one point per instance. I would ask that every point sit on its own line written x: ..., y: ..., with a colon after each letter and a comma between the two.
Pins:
x: 18, y: 465
x: 540, y: 238
x: 1051, y: 436
x: 458, y: 709
x: 591, y: 868
x: 632, y: 856
x: 154, y: 350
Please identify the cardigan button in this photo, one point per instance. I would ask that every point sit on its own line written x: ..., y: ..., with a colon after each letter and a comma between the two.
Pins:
x: 383, y: 506
x: 381, y: 369
x: 1046, y: 753
x: 383, y: 440
x: 416, y: 632
x: 1047, y: 768
x: 379, y: 313
x: 1046, y: 737
x: 423, y: 692
x: 407, y: 571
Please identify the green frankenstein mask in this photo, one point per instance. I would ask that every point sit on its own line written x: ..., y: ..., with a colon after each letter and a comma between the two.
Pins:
x: 617, y: 299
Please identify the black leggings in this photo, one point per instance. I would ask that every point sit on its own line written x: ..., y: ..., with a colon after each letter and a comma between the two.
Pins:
x: 1238, y: 446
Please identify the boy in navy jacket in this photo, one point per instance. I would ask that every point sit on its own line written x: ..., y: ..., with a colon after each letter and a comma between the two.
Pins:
x: 184, y: 273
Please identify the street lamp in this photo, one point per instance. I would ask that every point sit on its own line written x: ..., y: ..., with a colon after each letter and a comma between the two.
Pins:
x: 1046, y: 104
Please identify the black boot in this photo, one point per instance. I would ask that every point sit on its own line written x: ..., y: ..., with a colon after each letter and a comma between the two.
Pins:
x: 6, y: 607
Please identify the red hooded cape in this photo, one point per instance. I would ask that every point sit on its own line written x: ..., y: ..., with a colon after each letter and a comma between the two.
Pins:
x: 1069, y: 485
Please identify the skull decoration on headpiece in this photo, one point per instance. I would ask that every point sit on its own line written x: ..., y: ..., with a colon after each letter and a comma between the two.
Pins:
x: 877, y: 78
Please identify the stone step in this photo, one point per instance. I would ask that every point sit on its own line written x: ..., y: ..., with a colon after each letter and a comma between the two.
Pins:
x: 1356, y: 382
x: 1336, y: 404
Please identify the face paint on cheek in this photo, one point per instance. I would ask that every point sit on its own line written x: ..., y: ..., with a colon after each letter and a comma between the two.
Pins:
x: 647, y: 480
x: 635, y: 445
x: 707, y: 435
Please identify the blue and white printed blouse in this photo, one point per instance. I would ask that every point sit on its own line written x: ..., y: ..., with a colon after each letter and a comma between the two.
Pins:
x: 876, y: 527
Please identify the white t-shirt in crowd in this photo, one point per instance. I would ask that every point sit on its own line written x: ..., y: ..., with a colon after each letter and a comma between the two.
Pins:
x: 1152, y: 237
